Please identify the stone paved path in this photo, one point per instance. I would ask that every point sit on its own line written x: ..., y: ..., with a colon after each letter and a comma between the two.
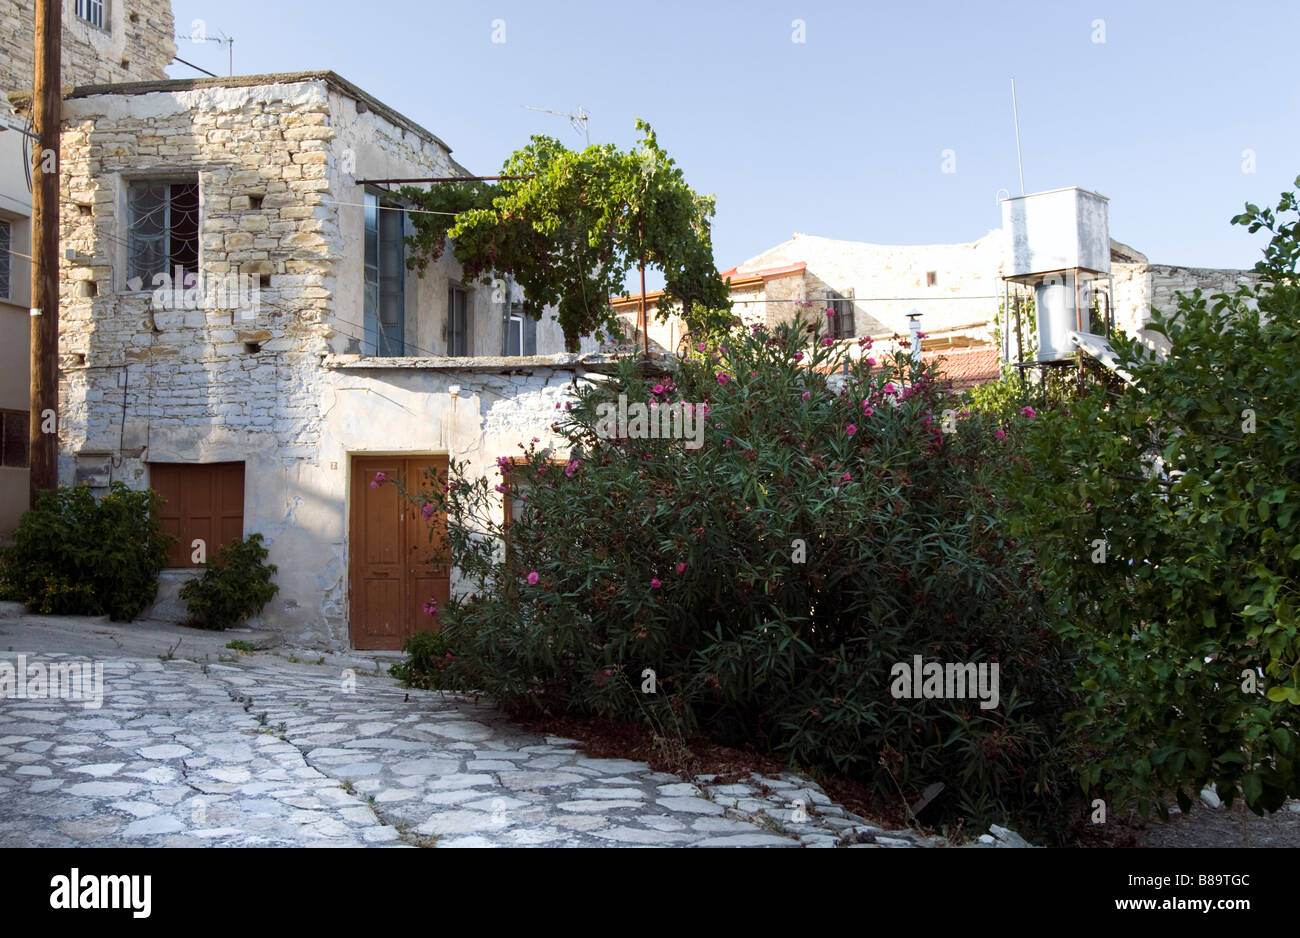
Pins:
x: 255, y: 752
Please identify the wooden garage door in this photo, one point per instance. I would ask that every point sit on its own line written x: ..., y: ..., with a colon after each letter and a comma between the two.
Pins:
x: 200, y: 501
x: 393, y: 569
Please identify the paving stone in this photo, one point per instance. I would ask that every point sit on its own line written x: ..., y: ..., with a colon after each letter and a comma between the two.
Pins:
x: 160, y: 824
x: 689, y: 805
x: 749, y: 840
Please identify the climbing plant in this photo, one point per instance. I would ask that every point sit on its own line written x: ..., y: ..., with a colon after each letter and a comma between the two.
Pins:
x: 569, y: 226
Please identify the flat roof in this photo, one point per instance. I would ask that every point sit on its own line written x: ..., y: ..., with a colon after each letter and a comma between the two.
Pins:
x: 1030, y: 195
x: 332, y: 79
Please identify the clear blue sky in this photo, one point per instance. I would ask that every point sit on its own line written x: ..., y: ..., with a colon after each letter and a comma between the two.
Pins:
x: 841, y: 135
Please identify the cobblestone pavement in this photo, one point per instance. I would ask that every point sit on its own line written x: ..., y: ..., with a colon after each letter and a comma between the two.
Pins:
x: 257, y: 752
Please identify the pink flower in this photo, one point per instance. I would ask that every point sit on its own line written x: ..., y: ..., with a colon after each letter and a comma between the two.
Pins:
x: 430, y: 606
x: 850, y: 429
x: 806, y: 395
x: 503, y: 462
x: 798, y: 356
x: 536, y: 440
x: 867, y: 410
x: 889, y: 388
x: 846, y: 477
x: 1000, y: 434
x: 450, y: 656
x: 658, y: 389
x: 830, y: 313
x: 920, y: 335
x: 499, y: 487
x: 655, y: 583
x: 700, y: 346
x: 533, y: 578
x: 828, y: 341
x: 723, y: 377
x: 681, y: 568
x: 571, y: 467
x: 608, y: 672
x: 427, y: 511
x: 378, y: 480
x: 1028, y: 412
x: 871, y: 363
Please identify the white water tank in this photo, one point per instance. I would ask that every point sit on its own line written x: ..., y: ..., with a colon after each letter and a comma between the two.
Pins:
x: 1062, y: 229
x: 1057, y: 242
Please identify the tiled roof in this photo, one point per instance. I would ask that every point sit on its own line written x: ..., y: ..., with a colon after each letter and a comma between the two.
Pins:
x: 967, y: 367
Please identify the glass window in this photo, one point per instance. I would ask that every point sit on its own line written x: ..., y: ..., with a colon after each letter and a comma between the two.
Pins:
x: 164, y: 232
x: 6, y: 258
x: 457, y: 321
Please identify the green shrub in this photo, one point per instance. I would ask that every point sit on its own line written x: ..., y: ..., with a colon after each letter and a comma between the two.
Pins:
x: 772, y: 577
x: 73, y: 555
x: 1164, y: 522
x: 427, y: 656
x: 231, y: 588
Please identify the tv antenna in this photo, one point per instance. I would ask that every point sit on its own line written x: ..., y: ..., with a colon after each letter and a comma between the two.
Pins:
x: 577, y: 121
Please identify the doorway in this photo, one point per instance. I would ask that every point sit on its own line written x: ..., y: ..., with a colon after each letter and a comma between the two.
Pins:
x: 392, y: 568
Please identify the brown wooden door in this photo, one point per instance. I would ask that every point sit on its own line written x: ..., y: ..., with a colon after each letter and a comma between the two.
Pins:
x: 394, y: 568
x: 203, y: 501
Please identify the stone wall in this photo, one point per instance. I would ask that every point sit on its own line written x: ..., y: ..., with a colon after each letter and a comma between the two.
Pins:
x: 1139, y: 287
x: 137, y: 43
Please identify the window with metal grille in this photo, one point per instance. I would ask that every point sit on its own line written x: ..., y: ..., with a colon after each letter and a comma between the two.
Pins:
x: 6, y: 259
x: 521, y: 339
x: 15, y: 432
x: 385, y: 278
x: 841, y: 323
x: 164, y: 235
x: 92, y: 11
x: 457, y: 321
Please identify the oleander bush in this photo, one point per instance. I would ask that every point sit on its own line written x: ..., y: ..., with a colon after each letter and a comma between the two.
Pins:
x: 837, y: 519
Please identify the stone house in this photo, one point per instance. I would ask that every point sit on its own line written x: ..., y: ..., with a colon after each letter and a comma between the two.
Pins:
x: 240, y: 332
x: 123, y: 40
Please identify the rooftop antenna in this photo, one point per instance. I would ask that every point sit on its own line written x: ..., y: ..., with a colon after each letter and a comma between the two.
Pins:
x: 1015, y: 112
x: 577, y: 121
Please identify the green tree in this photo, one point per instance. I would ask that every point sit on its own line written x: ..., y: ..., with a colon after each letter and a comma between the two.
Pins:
x: 1163, y: 520
x: 569, y: 226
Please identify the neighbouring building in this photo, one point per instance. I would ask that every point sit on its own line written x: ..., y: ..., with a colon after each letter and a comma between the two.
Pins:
x: 103, y: 41
x: 956, y: 288
x: 270, y: 408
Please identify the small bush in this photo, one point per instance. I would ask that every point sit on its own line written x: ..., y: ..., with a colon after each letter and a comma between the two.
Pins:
x: 427, y: 657
x: 233, y: 587
x: 73, y: 555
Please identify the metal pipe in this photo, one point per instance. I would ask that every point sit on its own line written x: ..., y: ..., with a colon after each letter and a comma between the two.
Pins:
x: 384, y: 182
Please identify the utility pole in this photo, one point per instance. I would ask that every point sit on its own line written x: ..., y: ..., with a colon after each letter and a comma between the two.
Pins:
x: 46, y: 102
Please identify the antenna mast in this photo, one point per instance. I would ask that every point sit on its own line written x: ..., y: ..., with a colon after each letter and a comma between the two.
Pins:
x: 577, y: 121
x: 1015, y: 112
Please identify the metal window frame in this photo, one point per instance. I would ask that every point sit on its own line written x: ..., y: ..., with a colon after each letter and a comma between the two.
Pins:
x: 169, y: 180
x: 94, y: 12
x: 6, y: 259
x: 457, y: 349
